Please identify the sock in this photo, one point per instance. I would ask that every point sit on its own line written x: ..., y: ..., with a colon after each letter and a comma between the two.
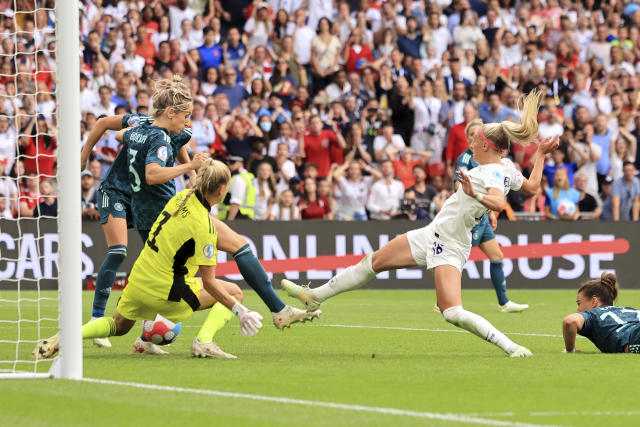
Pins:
x: 102, y: 327
x: 499, y: 282
x: 218, y: 316
x: 255, y: 276
x: 106, y: 276
x: 348, y: 279
x: 479, y: 326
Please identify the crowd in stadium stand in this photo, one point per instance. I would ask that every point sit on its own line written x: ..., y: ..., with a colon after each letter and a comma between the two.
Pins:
x: 350, y: 109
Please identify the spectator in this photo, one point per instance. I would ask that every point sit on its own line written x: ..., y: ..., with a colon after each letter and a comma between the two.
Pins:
x: 202, y: 128
x: 39, y: 147
x: 402, y: 105
x: 585, y: 155
x: 317, y: 143
x: 265, y: 185
x: 423, y: 193
x: 356, y: 144
x: 177, y: 14
x: 457, y: 141
x: 210, y: 53
x: 587, y: 204
x: 285, y: 136
x: 29, y: 195
x: 234, y: 49
x: 494, y: 112
x: 602, y: 137
x: 258, y: 26
x: 387, y: 141
x: 8, y: 190
x: 356, y: 55
x: 409, y: 43
x: 313, y: 206
x: 385, y: 196
x: 625, y: 195
x: 557, y: 164
x: 562, y: 200
x: 104, y: 107
x: 451, y: 112
x: 285, y: 209
x: 286, y: 168
x: 303, y: 37
x: 404, y: 162
x: 8, y: 147
x: 89, y: 196
x: 325, y: 53
x: 241, y: 198
x: 353, y: 189
x: 622, y: 148
x: 238, y: 141
x: 49, y: 204
x: 234, y: 92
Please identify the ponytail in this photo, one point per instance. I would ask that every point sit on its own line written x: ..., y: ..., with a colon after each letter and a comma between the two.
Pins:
x: 523, y: 132
x: 605, y: 288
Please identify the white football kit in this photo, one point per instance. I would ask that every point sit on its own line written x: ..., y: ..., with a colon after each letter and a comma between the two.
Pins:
x: 447, y: 239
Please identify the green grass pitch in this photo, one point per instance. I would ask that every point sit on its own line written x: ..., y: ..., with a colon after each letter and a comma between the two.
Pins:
x: 446, y: 377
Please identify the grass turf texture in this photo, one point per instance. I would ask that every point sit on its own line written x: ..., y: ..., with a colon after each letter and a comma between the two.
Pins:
x: 424, y: 371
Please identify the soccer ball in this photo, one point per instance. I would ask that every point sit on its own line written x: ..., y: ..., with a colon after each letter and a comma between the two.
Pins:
x: 160, y: 331
x: 566, y: 207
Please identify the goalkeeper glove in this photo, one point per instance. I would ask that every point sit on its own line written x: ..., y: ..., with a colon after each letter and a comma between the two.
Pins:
x: 249, y: 320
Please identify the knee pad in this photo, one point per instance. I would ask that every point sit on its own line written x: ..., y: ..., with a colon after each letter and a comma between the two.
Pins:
x: 453, y: 314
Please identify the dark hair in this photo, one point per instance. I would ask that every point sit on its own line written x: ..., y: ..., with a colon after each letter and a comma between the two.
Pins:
x: 320, y: 21
x: 627, y: 163
x: 207, y: 30
x: 605, y: 288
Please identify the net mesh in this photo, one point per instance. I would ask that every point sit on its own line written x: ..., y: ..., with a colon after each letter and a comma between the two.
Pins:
x: 28, y: 205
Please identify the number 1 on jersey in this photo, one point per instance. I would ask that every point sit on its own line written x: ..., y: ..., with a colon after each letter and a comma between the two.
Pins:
x: 152, y: 241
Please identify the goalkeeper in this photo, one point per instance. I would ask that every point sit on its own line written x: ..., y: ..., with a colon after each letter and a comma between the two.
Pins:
x: 182, y: 242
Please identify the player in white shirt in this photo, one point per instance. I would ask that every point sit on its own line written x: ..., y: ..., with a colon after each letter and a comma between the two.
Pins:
x: 444, y: 245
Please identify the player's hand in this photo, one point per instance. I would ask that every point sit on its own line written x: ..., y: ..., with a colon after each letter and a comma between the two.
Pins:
x: 493, y: 221
x: 465, y: 181
x: 198, y: 159
x: 250, y: 321
x: 548, y: 145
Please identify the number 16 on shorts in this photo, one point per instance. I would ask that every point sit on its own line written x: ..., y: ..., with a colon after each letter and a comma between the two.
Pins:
x: 437, y: 248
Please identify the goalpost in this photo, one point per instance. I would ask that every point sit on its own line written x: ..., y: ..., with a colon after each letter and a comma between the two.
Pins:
x: 15, y: 330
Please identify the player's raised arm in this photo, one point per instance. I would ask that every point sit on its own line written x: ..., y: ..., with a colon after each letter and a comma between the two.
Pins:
x: 531, y: 186
x: 103, y: 124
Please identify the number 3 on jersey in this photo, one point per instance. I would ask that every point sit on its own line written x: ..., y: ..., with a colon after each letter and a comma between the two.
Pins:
x: 135, y: 182
x: 437, y: 248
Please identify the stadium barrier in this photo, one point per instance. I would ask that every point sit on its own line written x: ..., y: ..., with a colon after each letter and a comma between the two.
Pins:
x: 544, y: 254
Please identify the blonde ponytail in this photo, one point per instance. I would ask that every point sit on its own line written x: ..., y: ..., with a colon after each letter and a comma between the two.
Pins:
x: 522, y: 132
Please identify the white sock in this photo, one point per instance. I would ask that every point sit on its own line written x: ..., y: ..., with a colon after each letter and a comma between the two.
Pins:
x: 479, y: 326
x: 350, y: 278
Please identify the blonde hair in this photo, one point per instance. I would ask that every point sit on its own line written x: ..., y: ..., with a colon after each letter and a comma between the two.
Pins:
x: 472, y: 123
x: 171, y: 93
x: 522, y: 132
x: 556, y: 187
x: 211, y: 175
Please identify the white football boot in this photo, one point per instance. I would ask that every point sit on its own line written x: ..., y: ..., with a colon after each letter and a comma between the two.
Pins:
x: 303, y: 293
x: 102, y: 342
x: 512, y: 307
x: 521, y: 351
x: 146, y: 347
x: 46, y: 348
x: 209, y: 349
x: 290, y: 315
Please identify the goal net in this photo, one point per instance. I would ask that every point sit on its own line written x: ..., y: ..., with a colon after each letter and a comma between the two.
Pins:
x: 39, y: 218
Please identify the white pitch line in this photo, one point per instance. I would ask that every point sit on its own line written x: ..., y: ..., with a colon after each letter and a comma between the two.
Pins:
x: 455, y: 331
x: 550, y: 414
x: 358, y: 408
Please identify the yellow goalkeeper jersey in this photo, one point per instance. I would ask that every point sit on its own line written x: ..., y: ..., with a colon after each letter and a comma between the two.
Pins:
x: 177, y: 245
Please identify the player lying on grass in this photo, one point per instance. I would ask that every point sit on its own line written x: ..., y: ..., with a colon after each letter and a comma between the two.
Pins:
x: 181, y: 243
x: 611, y: 328
x: 444, y: 245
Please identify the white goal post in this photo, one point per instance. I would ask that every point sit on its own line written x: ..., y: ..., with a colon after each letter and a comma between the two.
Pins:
x: 68, y: 364
x: 70, y: 212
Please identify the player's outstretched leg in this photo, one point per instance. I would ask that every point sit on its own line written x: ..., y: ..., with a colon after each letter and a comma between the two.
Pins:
x: 448, y: 290
x: 253, y: 273
x: 348, y: 279
x: 102, y: 327
x: 394, y: 254
x: 492, y: 250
